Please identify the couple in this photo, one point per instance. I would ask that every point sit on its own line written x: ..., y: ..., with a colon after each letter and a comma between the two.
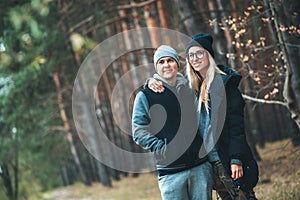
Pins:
x: 172, y: 118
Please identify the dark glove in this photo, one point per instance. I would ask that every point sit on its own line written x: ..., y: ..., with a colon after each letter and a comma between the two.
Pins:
x: 231, y: 188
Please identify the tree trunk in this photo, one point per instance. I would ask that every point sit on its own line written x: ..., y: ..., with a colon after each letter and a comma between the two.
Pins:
x: 65, y: 177
x: 67, y: 127
x: 16, y: 176
x: 150, y: 21
x: 229, y: 51
x: 7, y: 181
x: 88, y: 129
x: 289, y: 44
x: 188, y: 16
x: 163, y: 15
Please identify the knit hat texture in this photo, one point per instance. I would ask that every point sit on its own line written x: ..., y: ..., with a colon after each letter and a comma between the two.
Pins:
x: 165, y: 51
x: 204, y: 40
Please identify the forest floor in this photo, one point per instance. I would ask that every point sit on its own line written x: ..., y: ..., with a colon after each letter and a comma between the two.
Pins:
x: 279, y: 180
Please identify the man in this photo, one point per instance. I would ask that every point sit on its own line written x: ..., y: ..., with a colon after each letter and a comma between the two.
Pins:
x: 166, y: 124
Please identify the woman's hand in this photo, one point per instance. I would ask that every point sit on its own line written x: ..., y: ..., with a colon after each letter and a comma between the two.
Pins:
x: 236, y: 171
x: 155, y: 85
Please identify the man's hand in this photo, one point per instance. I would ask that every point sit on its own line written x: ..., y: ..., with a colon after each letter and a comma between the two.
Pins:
x: 155, y: 85
x: 236, y: 171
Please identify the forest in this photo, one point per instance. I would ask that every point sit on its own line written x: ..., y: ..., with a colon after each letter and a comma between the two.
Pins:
x: 70, y: 69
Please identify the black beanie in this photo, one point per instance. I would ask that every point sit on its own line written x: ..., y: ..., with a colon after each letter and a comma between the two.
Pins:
x: 203, y: 40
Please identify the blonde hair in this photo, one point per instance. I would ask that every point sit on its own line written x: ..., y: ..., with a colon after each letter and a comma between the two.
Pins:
x: 202, y: 84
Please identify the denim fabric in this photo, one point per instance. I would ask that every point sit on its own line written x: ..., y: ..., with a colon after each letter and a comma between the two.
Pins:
x: 192, y: 184
x: 204, y: 123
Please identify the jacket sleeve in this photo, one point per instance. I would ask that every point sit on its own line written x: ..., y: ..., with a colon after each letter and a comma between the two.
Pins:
x: 235, y: 121
x: 141, y: 127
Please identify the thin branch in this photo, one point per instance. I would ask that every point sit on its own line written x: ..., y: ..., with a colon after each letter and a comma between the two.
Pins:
x: 105, y: 23
x: 83, y: 22
x: 257, y: 100
x: 133, y: 5
x: 120, y: 7
x: 56, y: 129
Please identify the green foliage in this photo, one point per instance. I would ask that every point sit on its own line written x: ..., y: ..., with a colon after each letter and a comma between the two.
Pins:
x: 39, y: 37
x: 25, y: 111
x: 28, y: 96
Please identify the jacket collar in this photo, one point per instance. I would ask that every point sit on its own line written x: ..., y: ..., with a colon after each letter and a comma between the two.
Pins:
x: 231, y: 76
x: 180, y: 80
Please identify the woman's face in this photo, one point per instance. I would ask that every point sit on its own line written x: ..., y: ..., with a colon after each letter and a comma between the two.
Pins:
x: 198, y: 59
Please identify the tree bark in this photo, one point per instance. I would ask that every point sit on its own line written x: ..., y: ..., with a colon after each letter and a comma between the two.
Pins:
x: 281, y: 12
x: 7, y: 181
x: 89, y: 131
x: 67, y: 127
x: 150, y: 21
x: 188, y: 16
x: 164, y: 21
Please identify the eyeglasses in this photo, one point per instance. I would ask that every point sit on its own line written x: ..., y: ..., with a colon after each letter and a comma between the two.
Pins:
x: 199, y: 54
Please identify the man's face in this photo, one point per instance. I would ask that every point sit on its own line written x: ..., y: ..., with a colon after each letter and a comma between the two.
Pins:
x: 167, y: 68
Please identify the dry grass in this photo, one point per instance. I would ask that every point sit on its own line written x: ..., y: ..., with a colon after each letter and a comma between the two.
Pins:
x: 279, y: 172
x: 143, y: 187
x: 279, y: 179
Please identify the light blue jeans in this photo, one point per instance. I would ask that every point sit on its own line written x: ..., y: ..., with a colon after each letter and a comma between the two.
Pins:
x: 192, y: 184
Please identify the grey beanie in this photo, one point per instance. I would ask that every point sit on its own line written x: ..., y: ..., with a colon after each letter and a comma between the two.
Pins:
x: 204, y: 40
x: 165, y: 51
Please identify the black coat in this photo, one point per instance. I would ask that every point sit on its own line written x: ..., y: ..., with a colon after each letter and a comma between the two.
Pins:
x: 232, y: 143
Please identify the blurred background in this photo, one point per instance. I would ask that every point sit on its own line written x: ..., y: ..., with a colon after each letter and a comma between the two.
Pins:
x: 44, y: 42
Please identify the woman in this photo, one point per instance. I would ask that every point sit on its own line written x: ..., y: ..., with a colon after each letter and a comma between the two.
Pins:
x: 235, y: 169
